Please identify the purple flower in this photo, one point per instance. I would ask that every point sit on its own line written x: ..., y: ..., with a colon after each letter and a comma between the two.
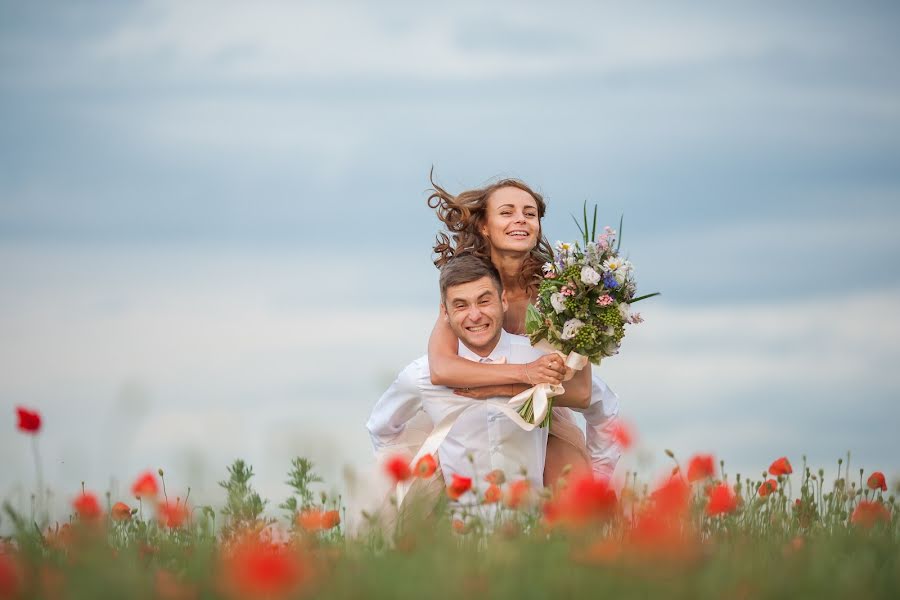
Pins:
x: 610, y: 281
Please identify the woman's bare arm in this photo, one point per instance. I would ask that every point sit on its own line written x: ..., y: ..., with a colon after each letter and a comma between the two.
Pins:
x: 578, y: 390
x: 577, y: 394
x: 449, y: 369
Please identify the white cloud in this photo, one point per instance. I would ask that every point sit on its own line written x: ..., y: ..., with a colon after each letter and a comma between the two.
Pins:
x: 277, y: 40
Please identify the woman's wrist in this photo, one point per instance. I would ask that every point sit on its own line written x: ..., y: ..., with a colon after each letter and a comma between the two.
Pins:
x: 523, y: 374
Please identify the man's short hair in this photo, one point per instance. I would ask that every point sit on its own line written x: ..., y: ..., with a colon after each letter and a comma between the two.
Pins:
x: 467, y: 268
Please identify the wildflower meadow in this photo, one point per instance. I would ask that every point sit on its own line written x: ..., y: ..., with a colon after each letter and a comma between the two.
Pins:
x: 693, y: 531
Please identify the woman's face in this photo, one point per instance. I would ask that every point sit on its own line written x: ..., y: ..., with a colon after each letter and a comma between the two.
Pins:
x: 511, y: 220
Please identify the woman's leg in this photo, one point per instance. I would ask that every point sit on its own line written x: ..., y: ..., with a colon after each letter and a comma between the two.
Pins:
x: 565, y: 446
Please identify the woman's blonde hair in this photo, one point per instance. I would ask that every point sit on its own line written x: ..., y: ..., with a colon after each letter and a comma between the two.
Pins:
x: 463, y: 215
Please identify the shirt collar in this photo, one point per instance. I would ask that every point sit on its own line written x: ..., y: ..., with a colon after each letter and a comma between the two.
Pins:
x: 501, y: 350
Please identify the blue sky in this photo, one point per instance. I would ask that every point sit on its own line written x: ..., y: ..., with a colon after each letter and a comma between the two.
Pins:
x: 218, y: 157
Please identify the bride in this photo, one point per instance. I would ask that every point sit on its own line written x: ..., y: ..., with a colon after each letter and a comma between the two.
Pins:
x: 502, y: 222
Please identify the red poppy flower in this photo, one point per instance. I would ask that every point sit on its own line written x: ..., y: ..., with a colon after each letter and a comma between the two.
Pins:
x: 172, y: 514
x: 87, y: 507
x: 782, y: 466
x: 11, y: 577
x: 492, y: 494
x: 29, y: 420
x: 496, y: 477
x: 876, y: 481
x: 867, y: 514
x: 622, y: 434
x: 583, y: 500
x: 459, y: 486
x: 145, y: 486
x: 426, y: 466
x: 671, y: 498
x: 398, y: 468
x: 701, y: 466
x: 314, y: 519
x: 256, y: 570
x: 722, y: 500
x: 517, y: 493
x: 120, y: 512
x: 459, y: 526
x: 332, y: 518
x: 767, y: 487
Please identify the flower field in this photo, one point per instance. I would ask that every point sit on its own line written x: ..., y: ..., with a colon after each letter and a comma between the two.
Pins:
x: 695, y: 531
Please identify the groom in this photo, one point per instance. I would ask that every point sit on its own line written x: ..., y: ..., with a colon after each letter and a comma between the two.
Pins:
x: 483, y: 439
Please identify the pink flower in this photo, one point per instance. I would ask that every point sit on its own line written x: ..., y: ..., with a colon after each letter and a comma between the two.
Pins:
x: 636, y: 318
x: 567, y: 291
x: 605, y: 300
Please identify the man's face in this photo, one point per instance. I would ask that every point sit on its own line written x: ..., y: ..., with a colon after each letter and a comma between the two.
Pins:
x: 475, y: 313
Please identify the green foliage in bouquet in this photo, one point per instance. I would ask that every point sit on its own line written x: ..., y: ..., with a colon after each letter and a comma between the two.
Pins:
x: 585, y: 297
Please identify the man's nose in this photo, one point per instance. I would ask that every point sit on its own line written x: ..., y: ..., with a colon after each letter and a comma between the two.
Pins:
x: 475, y: 314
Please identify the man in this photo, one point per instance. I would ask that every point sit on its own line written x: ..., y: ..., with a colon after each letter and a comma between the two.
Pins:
x: 473, y: 302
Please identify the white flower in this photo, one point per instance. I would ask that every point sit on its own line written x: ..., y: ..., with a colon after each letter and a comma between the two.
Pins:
x: 558, y: 301
x: 565, y: 247
x: 610, y: 348
x: 613, y: 263
x: 637, y: 318
x: 571, y: 328
x: 624, y: 311
x: 589, y: 276
x: 548, y: 267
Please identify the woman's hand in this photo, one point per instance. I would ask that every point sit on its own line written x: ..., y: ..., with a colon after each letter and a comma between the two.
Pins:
x: 550, y: 368
x: 491, y: 391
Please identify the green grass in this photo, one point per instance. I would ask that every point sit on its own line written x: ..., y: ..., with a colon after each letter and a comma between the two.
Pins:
x: 760, y: 548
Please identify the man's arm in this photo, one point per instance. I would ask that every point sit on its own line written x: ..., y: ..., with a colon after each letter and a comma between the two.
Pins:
x: 396, y: 407
x: 600, y: 417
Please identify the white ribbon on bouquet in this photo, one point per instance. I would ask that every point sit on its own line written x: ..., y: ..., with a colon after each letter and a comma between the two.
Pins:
x: 539, y: 394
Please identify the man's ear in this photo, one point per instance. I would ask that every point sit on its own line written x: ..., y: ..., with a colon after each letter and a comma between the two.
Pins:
x: 444, y: 312
x: 503, y: 301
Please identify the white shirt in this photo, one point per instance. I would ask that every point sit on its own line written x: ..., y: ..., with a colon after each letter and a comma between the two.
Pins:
x: 483, y: 432
x: 403, y: 417
x: 600, y: 418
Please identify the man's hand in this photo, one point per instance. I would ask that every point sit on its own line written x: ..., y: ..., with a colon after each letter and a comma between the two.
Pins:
x: 491, y: 391
x: 550, y: 368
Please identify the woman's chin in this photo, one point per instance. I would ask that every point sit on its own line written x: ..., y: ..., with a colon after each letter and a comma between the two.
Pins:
x: 525, y: 245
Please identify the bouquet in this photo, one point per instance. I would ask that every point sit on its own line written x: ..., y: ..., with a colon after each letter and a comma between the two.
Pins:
x: 584, y: 300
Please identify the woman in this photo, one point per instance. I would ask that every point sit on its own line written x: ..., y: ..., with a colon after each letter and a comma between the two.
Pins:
x: 502, y: 222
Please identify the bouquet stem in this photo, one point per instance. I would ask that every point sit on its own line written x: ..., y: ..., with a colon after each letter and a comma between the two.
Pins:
x: 527, y: 413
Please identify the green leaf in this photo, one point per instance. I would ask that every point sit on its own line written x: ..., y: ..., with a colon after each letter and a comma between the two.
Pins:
x: 594, y: 227
x: 533, y: 319
x: 577, y: 224
x: 644, y: 297
x: 584, y: 233
x: 619, y: 241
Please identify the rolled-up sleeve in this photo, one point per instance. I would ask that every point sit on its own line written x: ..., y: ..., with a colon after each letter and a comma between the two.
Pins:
x: 600, y: 418
x: 396, y: 407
